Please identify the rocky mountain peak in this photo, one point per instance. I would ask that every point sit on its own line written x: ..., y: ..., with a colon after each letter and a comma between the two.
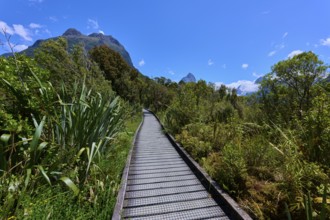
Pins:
x: 72, y: 32
x: 189, y: 78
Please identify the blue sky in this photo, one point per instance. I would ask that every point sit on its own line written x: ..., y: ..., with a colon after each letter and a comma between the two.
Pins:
x: 229, y: 41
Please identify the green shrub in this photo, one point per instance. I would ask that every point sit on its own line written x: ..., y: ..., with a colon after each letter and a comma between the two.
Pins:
x: 62, y: 149
x: 228, y: 168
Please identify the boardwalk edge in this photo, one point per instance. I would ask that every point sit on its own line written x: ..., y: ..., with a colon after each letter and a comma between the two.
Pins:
x: 231, y: 207
x: 121, y: 194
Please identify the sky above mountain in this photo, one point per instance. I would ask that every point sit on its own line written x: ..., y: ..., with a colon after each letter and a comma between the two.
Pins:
x: 228, y: 41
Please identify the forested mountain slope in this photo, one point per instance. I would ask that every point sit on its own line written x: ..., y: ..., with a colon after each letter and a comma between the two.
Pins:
x: 88, y: 42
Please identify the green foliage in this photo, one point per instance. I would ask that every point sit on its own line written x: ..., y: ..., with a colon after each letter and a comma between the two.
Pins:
x: 124, y: 79
x: 308, y: 206
x: 195, y: 139
x: 159, y: 93
x: 62, y: 142
x: 54, y: 140
x: 183, y: 109
x: 299, y: 73
x: 88, y: 119
x: 288, y: 90
x: 97, y: 197
x: 316, y: 128
x: 229, y: 169
x: 19, y: 93
x: 71, y: 67
x: 267, y: 150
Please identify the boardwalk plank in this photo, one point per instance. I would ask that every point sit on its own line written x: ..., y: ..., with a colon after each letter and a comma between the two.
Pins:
x: 160, y: 184
x: 194, y: 214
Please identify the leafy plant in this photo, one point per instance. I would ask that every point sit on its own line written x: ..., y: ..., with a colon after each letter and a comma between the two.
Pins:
x: 308, y: 206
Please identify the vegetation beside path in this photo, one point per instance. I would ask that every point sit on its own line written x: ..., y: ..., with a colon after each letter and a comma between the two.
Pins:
x: 269, y: 150
x: 67, y: 119
x: 64, y: 136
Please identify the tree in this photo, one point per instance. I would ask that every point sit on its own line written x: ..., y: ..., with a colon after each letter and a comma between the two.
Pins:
x: 202, y: 91
x: 71, y: 68
x: 123, y: 78
x: 316, y: 135
x: 183, y: 109
x: 53, y: 55
x: 299, y: 73
x: 275, y: 100
x: 222, y: 91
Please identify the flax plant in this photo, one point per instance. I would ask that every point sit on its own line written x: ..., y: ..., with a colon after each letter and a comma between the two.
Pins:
x: 88, y: 123
x: 88, y: 119
x: 79, y: 127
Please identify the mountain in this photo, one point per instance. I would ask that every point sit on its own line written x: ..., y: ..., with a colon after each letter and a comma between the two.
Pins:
x: 260, y: 79
x: 189, y: 78
x: 73, y: 37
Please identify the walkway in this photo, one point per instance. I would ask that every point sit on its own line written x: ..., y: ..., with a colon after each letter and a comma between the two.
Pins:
x: 160, y: 185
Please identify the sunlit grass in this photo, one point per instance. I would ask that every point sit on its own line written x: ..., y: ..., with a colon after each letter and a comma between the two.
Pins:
x: 97, y: 198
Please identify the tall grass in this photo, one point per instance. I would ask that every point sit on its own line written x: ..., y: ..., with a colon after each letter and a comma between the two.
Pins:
x: 262, y: 166
x: 88, y: 119
x: 63, y: 147
x: 88, y: 123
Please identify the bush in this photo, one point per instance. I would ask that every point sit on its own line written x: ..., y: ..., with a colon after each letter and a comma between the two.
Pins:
x: 228, y: 168
x: 64, y: 146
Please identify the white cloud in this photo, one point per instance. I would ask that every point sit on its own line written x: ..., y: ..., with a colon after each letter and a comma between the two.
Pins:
x: 93, y: 24
x: 256, y: 75
x: 34, y: 26
x: 48, y: 32
x: 16, y: 29
x: 285, y: 35
x: 325, y: 42
x: 294, y: 53
x: 247, y: 86
x: 272, y: 53
x: 15, y: 47
x: 171, y: 72
x: 101, y: 32
x: 276, y: 48
x: 21, y: 31
x: 53, y: 18
x: 20, y: 47
x: 245, y: 66
x: 280, y: 46
x: 224, y: 66
x: 38, y: 1
x: 6, y: 28
x: 210, y: 62
x: 244, y: 86
x: 141, y: 63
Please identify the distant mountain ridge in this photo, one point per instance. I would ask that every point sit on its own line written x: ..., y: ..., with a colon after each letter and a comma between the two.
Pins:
x: 74, y: 37
x: 189, y: 78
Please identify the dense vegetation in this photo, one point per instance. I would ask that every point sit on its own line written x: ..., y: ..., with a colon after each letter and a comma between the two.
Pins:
x: 67, y: 118
x: 64, y: 136
x: 268, y: 150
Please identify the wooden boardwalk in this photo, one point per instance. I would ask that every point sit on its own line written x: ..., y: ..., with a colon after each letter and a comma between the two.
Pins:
x: 158, y: 183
